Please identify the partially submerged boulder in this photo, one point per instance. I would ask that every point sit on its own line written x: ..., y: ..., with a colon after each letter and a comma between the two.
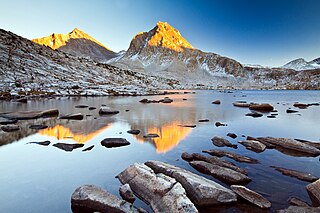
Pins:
x: 299, y: 209
x: 232, y: 135
x: 297, y: 202
x: 186, y: 156
x: 253, y: 145
x: 221, y: 142
x: 42, y: 143
x: 73, y: 116
x: 114, y: 142
x: 68, y: 147
x: 232, y: 155
x: 296, y: 174
x: 134, y: 131
x: 126, y: 193
x: 216, y: 102
x: 314, y: 192
x: 10, y: 128
x: 261, y: 107
x: 30, y: 114
x: 241, y: 104
x: 88, y: 148
x: 38, y: 126
x: 254, y: 114
x: 107, y: 111
x: 151, y: 135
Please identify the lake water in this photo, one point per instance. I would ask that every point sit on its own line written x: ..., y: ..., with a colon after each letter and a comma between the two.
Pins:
x: 37, y: 178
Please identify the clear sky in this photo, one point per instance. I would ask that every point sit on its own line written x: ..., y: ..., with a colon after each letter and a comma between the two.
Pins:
x: 266, y: 32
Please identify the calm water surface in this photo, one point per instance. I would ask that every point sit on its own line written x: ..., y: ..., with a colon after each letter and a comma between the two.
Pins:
x: 36, y: 178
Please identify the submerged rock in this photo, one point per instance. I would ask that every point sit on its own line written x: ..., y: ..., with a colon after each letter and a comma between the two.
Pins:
x: 251, y: 196
x: 296, y: 174
x: 38, y: 126
x: 221, y: 142
x: 88, y: 148
x: 10, y: 128
x: 134, y: 131
x: 163, y: 193
x: 114, y: 142
x: 30, y: 114
x: 314, y: 192
x: 68, y: 147
x: 216, y: 102
x: 261, y: 107
x: 74, y: 116
x: 126, y: 193
x: 42, y: 143
x: 234, y: 156
x: 253, y: 145
x: 232, y: 135
x: 97, y: 199
x: 107, y: 111
x: 297, y: 202
x: 299, y: 209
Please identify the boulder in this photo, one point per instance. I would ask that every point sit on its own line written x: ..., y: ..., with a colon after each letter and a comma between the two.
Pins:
x: 68, y: 147
x: 251, y: 196
x: 253, y: 145
x: 10, y: 128
x: 297, y: 202
x: 30, y: 114
x: 126, y: 193
x: 151, y: 135
x: 114, y: 142
x: 144, y: 101
x: 166, y: 100
x: 261, y: 107
x: 99, y: 200
x: 296, y: 174
x: 291, y: 111
x: 219, y: 124
x: 234, y: 156
x: 254, y: 114
x: 301, y: 105
x: 163, y: 193
x: 268, y: 145
x: 73, y: 116
x: 186, y: 156
x: 232, y: 135
x: 92, y: 108
x: 107, y: 111
x: 314, y: 192
x: 299, y: 209
x: 216, y: 102
x: 221, y: 142
x: 134, y: 131
x: 241, y: 104
x: 88, y: 148
x: 81, y: 106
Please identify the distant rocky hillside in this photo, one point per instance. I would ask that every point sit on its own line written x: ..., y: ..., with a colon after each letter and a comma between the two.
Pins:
x: 301, y: 64
x: 77, y: 43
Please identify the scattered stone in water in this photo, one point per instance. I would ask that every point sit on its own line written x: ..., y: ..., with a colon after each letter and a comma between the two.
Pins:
x: 10, y: 128
x: 186, y: 156
x: 254, y: 114
x: 243, y: 104
x: 311, y: 143
x: 38, y: 126
x: 4, y: 121
x: 261, y: 107
x: 291, y: 111
x: 126, y: 193
x: 107, y: 111
x: 92, y: 108
x: 74, y: 116
x: 114, y: 142
x: 151, y: 135
x: 31, y: 114
x: 184, y: 99
x: 127, y: 110
x: 296, y: 174
x: 221, y: 142
x: 297, y: 202
x: 42, y: 143
x: 300, y: 105
x: 271, y: 116
x: 268, y: 145
x: 134, y: 131
x: 166, y: 100
x: 81, y: 106
x: 253, y: 145
x: 190, y: 126
x: 216, y: 102
x: 314, y: 192
x: 68, y: 147
x: 204, y: 120
x: 234, y: 156
x: 88, y: 148
x: 299, y: 209
x: 251, y: 196
x: 232, y: 135
x: 220, y: 124
x: 144, y: 101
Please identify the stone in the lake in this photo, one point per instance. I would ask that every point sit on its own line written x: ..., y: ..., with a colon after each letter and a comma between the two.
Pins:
x: 42, y: 143
x: 184, y: 99
x: 311, y: 143
x: 22, y: 100
x: 114, y: 142
x: 253, y: 145
x: 301, y: 105
x: 4, y: 121
x: 166, y: 100
x: 291, y: 111
x: 232, y: 135
x: 38, y: 126
x: 299, y: 209
x: 271, y: 116
x: 254, y: 114
x: 30, y: 114
x: 107, y: 111
x: 223, y: 174
x: 251, y: 196
x: 219, y: 124
x: 203, y: 120
x: 241, y: 104
x: 151, y: 135
x: 144, y: 101
x: 314, y: 192
x: 81, y: 106
x: 201, y: 191
x: 216, y: 102
x: 296, y: 174
x: 127, y: 110
x: 163, y: 193
x: 99, y: 200
x: 68, y: 147
x: 234, y: 156
x: 268, y: 145
x: 261, y: 107
x: 221, y: 142
x: 126, y: 193
x: 186, y: 156
x: 189, y: 125
x: 73, y: 116
x: 134, y: 131
x: 219, y: 162
x: 10, y: 128
x: 88, y: 148
x: 297, y: 202
x: 92, y: 108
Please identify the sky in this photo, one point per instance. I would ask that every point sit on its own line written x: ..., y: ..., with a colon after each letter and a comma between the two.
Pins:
x: 265, y: 32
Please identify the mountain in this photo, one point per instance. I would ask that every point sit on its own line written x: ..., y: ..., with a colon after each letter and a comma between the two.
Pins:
x: 301, y: 64
x: 77, y: 43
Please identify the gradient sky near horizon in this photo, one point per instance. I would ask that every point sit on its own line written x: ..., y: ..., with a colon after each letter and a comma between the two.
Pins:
x: 266, y: 32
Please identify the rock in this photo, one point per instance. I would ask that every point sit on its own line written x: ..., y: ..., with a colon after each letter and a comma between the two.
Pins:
x: 144, y: 101
x: 271, y: 116
x: 254, y: 114
x: 186, y: 156
x: 184, y: 99
x: 219, y: 162
x: 311, y: 143
x: 92, y: 108
x: 30, y: 114
x: 107, y: 111
x: 291, y: 111
x: 151, y: 135
x: 261, y: 107
x: 74, y: 116
x: 4, y: 121
x: 42, y: 143
x: 10, y: 128
x: 68, y: 147
x: 216, y: 102
x: 201, y: 191
x: 232, y: 135
x: 300, y: 105
x: 38, y: 126
x: 134, y: 131
x: 251, y: 196
x: 81, y: 106
x: 299, y: 209
x: 221, y: 142
x: 97, y: 199
x: 224, y: 174
x: 166, y: 100
x: 203, y: 120
x: 88, y: 148
x: 297, y: 202
x: 314, y: 192
x: 163, y: 193
x: 114, y: 142
x: 219, y: 124
x: 189, y: 125
x: 234, y: 156
x: 241, y: 104
x: 296, y: 174
x: 126, y: 193
x: 253, y: 145
x: 22, y: 100
x: 268, y: 145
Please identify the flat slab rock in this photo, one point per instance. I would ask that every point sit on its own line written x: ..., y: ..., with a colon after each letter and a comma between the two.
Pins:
x: 296, y: 174
x: 31, y: 114
x: 97, y: 199
x: 107, y: 111
x: 114, y: 142
x: 313, y: 190
x: 299, y: 209
x: 73, y: 116
x: 232, y: 155
x: 224, y: 174
x: 221, y: 142
x: 68, y: 147
x: 163, y: 193
x: 253, y: 145
x: 201, y: 191
x: 251, y: 196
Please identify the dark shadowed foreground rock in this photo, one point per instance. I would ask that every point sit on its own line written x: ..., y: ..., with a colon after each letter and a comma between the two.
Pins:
x: 97, y: 199
x: 232, y: 155
x: 297, y: 202
x: 74, y: 116
x: 162, y: 192
x: 299, y: 209
x: 68, y: 147
x: 314, y: 192
x: 251, y: 196
x: 224, y: 174
x: 134, y: 131
x: 31, y: 114
x: 201, y: 191
x: 42, y: 143
x: 261, y: 107
x: 107, y: 111
x: 296, y: 174
x: 126, y: 193
x: 10, y: 128
x: 253, y: 145
x: 221, y: 142
x: 114, y: 142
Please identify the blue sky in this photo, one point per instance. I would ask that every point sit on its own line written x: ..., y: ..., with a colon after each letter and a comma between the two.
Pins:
x: 262, y: 32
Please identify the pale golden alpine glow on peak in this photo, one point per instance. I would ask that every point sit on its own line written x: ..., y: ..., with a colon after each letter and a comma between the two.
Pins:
x: 55, y: 41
